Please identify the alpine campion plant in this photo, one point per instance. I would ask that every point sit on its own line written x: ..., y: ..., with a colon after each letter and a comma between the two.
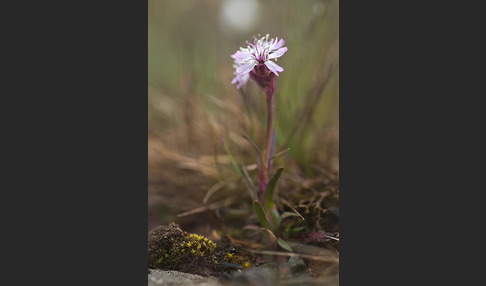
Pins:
x: 256, y: 62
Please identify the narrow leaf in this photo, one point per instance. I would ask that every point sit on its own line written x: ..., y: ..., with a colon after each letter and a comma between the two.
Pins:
x: 284, y: 216
x: 271, y: 186
x: 289, y: 226
x: 284, y: 244
x: 257, y: 207
x: 297, y: 229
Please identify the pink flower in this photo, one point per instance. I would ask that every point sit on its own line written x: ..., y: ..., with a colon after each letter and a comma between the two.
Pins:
x: 255, y: 62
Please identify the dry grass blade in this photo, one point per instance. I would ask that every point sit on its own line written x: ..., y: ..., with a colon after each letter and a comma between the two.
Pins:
x: 285, y: 202
x: 308, y: 109
x: 280, y: 153
x: 331, y: 237
x: 327, y: 258
x: 212, y: 206
x: 244, y: 243
x: 218, y: 186
x: 249, y: 183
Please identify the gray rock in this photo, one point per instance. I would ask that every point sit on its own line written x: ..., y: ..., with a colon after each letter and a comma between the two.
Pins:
x: 296, y: 264
x: 253, y: 277
x: 176, y: 278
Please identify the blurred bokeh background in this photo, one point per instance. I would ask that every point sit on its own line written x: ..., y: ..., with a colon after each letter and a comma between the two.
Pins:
x: 196, y: 117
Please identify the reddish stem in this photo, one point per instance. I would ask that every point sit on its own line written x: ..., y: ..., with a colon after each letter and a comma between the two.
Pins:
x: 264, y: 175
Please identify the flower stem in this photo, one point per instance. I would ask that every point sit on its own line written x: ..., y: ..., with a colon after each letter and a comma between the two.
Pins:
x: 269, y: 135
x: 266, y: 171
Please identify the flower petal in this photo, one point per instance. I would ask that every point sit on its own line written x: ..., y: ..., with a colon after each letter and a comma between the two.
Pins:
x: 273, y: 43
x: 241, y: 79
x: 274, y: 67
x: 240, y: 56
x: 246, y: 68
x: 278, y: 53
x: 235, y: 80
x: 279, y: 44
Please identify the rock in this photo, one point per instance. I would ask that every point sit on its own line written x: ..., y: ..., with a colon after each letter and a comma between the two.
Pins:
x: 175, y: 278
x: 296, y: 264
x: 254, y: 277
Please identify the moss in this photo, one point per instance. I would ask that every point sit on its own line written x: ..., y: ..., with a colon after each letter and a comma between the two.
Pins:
x: 170, y: 248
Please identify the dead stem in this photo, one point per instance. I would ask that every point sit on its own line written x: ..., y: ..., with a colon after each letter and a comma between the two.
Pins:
x: 212, y: 206
x: 306, y: 256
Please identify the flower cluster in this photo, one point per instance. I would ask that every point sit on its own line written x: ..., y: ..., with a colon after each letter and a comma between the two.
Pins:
x: 254, y: 62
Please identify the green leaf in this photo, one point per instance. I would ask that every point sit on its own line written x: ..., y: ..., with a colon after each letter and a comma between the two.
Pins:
x: 289, y: 226
x: 274, y: 215
x: 297, y: 229
x: 284, y: 216
x: 284, y: 244
x: 257, y: 207
x: 271, y: 186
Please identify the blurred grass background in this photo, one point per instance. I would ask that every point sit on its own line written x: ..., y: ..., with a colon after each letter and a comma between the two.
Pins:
x: 194, y: 111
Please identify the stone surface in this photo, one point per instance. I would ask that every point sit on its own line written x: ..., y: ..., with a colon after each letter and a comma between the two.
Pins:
x: 253, y: 277
x: 296, y: 264
x: 176, y: 278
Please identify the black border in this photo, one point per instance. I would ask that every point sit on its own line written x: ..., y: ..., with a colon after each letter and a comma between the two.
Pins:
x: 75, y: 129
x: 409, y: 121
